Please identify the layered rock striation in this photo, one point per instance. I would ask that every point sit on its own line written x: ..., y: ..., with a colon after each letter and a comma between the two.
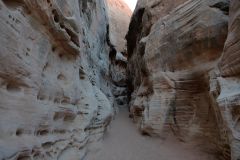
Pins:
x: 55, y: 78
x: 228, y: 81
x: 183, y: 75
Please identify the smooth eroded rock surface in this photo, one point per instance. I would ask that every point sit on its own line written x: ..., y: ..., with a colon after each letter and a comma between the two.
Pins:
x: 55, y: 80
x: 176, y: 49
x: 119, y: 18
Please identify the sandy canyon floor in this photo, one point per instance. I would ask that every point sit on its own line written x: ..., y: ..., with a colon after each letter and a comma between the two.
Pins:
x: 124, y: 142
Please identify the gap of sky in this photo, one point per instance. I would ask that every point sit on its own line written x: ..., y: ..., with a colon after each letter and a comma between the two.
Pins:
x: 131, y: 4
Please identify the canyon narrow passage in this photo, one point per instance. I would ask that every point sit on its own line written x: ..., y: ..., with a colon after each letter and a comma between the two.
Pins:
x: 95, y: 80
x: 124, y: 142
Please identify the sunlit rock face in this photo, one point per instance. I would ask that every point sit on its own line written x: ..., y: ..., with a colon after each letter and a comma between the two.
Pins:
x: 174, y: 50
x: 56, y: 92
x: 119, y: 18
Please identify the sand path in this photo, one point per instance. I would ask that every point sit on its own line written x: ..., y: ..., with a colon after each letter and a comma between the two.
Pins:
x: 123, y: 142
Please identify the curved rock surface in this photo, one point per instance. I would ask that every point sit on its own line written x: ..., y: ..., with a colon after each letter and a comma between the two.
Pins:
x: 55, y: 79
x: 63, y: 76
x: 229, y: 82
x: 119, y: 18
x: 182, y: 78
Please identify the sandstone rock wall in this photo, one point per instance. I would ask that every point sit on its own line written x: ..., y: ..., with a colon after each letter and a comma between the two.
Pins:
x: 229, y: 82
x: 176, y: 49
x: 55, y: 83
x: 119, y: 79
x: 119, y: 18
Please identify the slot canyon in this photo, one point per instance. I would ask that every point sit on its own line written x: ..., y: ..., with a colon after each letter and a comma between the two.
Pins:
x: 94, y: 80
